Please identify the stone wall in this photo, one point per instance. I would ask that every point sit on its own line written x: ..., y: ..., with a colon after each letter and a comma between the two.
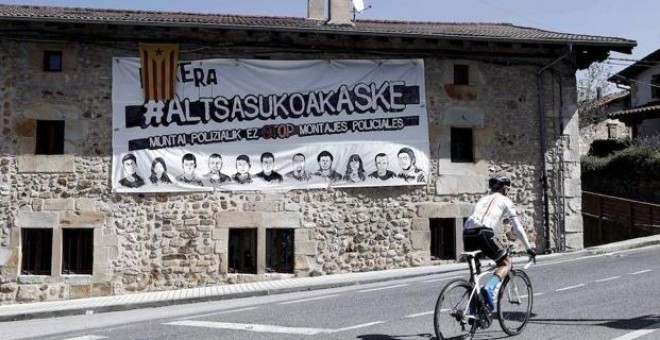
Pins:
x: 148, y: 242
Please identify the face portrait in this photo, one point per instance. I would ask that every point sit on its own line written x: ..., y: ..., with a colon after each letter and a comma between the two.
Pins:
x: 215, y: 164
x: 381, y: 164
x: 267, y: 164
x: 159, y: 169
x: 189, y: 167
x: 325, y: 162
x: 242, y: 166
x: 129, y: 167
x: 404, y: 161
x: 298, y: 162
x: 355, y: 165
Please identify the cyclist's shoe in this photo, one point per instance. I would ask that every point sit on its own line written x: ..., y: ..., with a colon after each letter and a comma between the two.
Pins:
x: 490, y: 298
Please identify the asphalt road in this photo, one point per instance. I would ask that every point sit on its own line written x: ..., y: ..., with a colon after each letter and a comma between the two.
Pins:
x: 604, y: 297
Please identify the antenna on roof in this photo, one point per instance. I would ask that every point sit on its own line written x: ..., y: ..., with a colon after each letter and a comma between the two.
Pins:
x: 358, y: 7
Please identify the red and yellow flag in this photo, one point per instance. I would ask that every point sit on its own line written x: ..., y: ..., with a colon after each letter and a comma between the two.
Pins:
x: 158, y: 70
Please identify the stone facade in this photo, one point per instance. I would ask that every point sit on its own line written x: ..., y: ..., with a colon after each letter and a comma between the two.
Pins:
x: 149, y: 242
x: 594, y: 123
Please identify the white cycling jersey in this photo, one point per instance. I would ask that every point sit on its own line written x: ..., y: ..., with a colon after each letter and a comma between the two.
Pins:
x: 490, y: 210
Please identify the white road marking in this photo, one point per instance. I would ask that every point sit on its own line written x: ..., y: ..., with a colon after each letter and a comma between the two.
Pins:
x: 310, y: 299
x: 354, y: 327
x: 268, y: 328
x: 88, y: 337
x: 250, y: 327
x: 538, y: 294
x: 641, y: 271
x: 571, y: 287
x: 592, y: 256
x: 382, y: 288
x: 218, y: 313
x: 608, y: 279
x: 418, y: 314
x: 639, y: 333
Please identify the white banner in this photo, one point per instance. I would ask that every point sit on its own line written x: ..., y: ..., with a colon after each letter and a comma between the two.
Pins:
x: 261, y: 124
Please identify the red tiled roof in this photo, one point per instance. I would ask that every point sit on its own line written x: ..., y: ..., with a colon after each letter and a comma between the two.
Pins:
x: 477, y: 31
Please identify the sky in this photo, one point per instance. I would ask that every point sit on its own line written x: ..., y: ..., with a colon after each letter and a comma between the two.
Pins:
x: 635, y: 20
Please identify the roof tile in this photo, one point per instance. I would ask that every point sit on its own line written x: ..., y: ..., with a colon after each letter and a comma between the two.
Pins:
x: 489, y: 31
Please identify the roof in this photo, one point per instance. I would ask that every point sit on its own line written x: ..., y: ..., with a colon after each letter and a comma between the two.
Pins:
x: 597, y: 103
x: 651, y: 110
x: 477, y: 31
x: 623, y: 76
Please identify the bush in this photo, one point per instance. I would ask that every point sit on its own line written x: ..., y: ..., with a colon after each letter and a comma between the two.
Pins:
x: 633, y: 172
x: 606, y: 147
x: 651, y: 143
x: 593, y: 163
x: 633, y: 161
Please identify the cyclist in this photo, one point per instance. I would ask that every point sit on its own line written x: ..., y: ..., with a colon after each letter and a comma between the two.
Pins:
x: 478, y: 232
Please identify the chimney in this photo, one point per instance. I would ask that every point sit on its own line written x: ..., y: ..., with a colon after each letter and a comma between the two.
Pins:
x: 340, y: 12
x: 599, y: 92
x: 315, y: 10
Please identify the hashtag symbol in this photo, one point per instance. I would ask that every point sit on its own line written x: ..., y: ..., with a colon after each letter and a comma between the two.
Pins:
x: 154, y: 111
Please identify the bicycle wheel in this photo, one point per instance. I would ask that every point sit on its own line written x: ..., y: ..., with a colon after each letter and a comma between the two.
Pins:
x: 514, y: 302
x: 450, y: 309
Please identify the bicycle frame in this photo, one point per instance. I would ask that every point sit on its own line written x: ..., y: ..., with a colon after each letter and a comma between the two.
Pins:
x: 474, y: 280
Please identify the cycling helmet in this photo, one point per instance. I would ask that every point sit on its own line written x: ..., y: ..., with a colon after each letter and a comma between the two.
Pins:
x: 497, y: 181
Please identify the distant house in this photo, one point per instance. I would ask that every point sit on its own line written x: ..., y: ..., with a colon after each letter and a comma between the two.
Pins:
x: 643, y: 78
x: 595, y: 123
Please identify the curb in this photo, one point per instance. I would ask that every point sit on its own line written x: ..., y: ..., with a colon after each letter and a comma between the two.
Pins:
x: 625, y: 245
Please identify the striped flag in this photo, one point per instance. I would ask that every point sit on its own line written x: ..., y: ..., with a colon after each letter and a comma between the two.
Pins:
x: 158, y: 70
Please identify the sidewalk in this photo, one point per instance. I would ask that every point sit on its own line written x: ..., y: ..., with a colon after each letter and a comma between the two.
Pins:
x: 225, y: 292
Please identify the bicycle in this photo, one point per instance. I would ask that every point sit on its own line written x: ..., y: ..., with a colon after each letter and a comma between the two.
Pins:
x: 461, y: 305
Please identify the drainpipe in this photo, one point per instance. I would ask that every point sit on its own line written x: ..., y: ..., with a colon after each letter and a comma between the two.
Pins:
x: 544, y: 176
x: 561, y: 197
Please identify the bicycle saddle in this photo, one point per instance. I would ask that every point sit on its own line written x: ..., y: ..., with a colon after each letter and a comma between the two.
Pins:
x: 471, y: 254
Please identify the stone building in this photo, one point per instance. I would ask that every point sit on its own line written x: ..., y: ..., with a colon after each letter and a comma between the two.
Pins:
x: 594, y: 121
x: 498, y: 97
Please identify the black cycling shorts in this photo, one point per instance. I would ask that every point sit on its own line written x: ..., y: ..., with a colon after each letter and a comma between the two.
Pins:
x: 484, y: 239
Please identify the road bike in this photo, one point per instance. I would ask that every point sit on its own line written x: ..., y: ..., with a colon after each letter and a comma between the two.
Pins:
x: 461, y: 308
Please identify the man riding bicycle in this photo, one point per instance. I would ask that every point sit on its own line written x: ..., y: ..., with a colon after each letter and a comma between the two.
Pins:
x: 478, y: 232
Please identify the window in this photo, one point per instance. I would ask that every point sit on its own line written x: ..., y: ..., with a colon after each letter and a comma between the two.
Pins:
x: 77, y: 251
x: 655, y: 86
x: 50, y: 137
x: 443, y: 238
x: 461, y: 74
x: 611, y: 131
x: 462, y: 145
x: 243, y: 251
x: 53, y: 61
x: 36, y: 251
x: 279, y: 250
